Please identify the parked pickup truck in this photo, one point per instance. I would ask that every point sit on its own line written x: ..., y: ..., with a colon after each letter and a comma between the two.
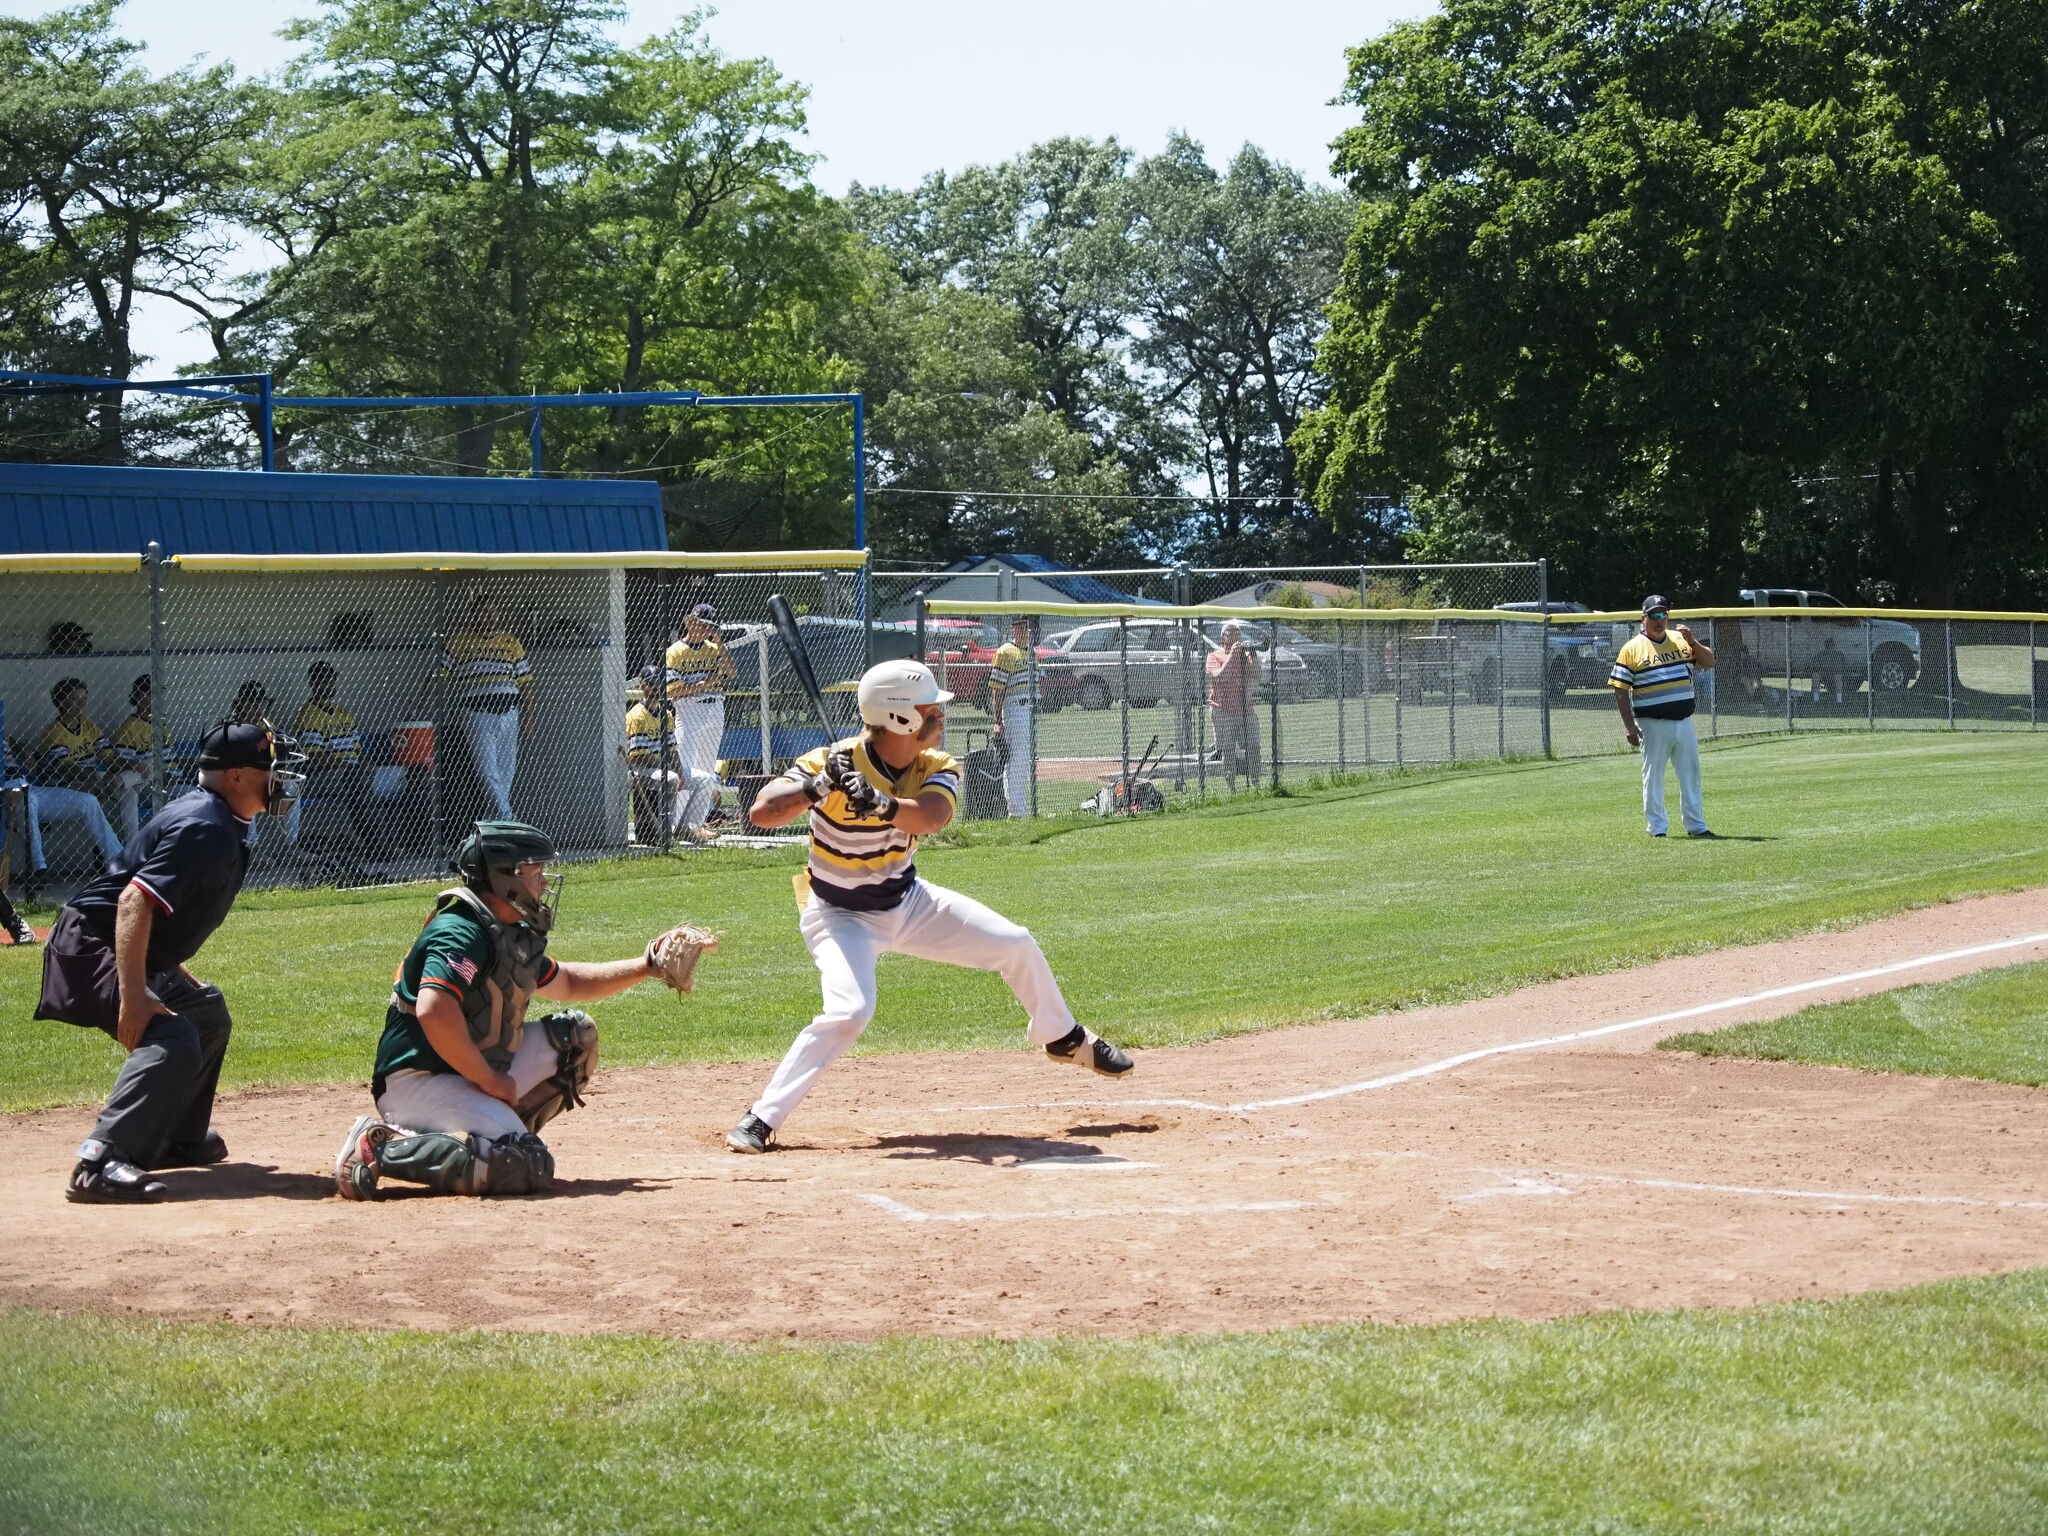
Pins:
x: 1889, y: 648
x: 1480, y: 657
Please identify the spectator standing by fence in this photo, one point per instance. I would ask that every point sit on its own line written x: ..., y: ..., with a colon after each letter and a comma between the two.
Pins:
x: 133, y: 741
x: 1011, y: 701
x: 489, y: 680
x: 1233, y: 669
x: 698, y: 670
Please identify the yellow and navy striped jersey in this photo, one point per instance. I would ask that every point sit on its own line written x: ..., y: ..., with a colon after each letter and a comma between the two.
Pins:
x: 697, y: 670
x: 63, y: 751
x: 485, y: 666
x: 327, y: 735
x: 131, y: 743
x: 1658, y: 676
x: 859, y: 862
x: 1009, y: 677
x: 643, y: 737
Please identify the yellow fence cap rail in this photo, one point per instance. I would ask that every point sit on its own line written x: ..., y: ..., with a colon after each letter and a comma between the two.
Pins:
x: 76, y: 564
x: 1903, y: 615
x: 948, y: 608
x: 538, y: 560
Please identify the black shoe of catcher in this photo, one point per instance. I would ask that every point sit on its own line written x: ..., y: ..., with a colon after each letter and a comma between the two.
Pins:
x: 1082, y: 1049
x: 201, y: 1154
x: 752, y: 1134
x: 103, y: 1179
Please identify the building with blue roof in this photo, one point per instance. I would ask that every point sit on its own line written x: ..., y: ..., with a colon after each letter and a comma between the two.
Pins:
x: 1005, y: 578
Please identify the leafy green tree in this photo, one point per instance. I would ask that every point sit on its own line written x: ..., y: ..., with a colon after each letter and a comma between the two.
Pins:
x: 110, y: 185
x: 1631, y: 279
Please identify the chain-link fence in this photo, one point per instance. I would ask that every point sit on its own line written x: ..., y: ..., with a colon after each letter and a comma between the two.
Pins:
x: 1128, y: 705
x: 621, y: 705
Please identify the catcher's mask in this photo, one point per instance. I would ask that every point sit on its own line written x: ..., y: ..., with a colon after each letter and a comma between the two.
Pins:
x: 258, y: 744
x: 489, y: 861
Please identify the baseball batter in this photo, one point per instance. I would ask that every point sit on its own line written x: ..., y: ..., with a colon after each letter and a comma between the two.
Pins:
x: 1011, y: 701
x: 459, y: 1067
x: 698, y: 670
x: 870, y: 798
x: 1652, y: 682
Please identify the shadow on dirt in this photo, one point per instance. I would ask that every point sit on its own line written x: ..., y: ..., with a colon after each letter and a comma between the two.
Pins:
x: 969, y: 1148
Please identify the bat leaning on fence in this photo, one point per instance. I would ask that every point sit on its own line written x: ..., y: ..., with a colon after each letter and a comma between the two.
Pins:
x: 799, y: 658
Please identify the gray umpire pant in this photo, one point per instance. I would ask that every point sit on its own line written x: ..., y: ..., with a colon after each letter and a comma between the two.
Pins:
x: 163, y: 1095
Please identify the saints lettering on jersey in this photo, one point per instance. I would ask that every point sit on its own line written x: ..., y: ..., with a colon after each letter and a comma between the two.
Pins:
x: 1658, y: 676
x: 861, y: 862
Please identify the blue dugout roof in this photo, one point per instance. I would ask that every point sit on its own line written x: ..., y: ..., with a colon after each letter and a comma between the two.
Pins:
x: 87, y: 509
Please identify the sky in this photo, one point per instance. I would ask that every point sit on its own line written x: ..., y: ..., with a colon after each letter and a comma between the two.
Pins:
x: 901, y: 88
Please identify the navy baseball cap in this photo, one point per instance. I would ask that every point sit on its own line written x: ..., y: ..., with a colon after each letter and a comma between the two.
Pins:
x: 705, y: 612
x: 242, y: 744
x: 1656, y: 604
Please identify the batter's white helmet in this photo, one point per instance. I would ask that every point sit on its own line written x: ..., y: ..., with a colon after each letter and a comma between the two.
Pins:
x: 890, y: 692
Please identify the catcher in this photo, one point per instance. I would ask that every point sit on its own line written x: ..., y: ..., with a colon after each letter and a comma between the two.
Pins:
x: 460, y: 1068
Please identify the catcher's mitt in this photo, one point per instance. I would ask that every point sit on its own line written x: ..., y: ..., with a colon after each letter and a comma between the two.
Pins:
x: 674, y: 956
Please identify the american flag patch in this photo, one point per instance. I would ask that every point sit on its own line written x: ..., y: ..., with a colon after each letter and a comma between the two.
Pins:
x: 464, y: 967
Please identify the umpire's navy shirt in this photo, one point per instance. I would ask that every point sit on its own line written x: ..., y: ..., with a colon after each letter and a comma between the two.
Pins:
x: 189, y: 859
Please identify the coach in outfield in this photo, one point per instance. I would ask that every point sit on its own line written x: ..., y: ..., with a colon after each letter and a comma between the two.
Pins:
x: 1652, y: 682
x: 116, y: 962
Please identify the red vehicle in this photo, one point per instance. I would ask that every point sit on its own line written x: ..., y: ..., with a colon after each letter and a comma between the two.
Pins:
x: 965, y: 655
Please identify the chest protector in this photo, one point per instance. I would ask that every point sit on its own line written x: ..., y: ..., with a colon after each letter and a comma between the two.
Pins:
x: 495, y: 1007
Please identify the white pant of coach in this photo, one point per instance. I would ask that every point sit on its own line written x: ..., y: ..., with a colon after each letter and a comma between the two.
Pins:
x: 1672, y: 742
x: 932, y: 923
x: 448, y: 1101
x: 494, y: 748
x: 1017, y: 771
x: 700, y: 732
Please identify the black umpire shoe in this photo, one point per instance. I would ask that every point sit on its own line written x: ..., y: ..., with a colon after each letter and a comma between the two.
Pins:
x: 18, y: 929
x: 1082, y: 1049
x: 752, y: 1134
x: 103, y: 1179
x: 189, y: 1154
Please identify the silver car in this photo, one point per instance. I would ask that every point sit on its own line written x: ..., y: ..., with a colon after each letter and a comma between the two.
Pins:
x: 1153, y: 660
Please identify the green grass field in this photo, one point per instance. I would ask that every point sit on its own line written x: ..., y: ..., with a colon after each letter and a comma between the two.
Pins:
x: 1266, y: 911
x: 1991, y: 1025
x: 1919, y: 1411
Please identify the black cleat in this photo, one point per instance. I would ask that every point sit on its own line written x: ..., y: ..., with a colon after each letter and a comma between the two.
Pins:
x: 1083, y: 1049
x: 186, y: 1154
x: 19, y: 930
x: 752, y: 1134
x: 1704, y: 832
x: 103, y: 1179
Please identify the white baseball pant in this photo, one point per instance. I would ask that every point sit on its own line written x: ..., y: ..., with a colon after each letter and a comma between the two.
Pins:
x: 1674, y: 742
x: 448, y: 1101
x: 932, y: 923
x: 1017, y: 771
x: 700, y: 732
x: 494, y: 748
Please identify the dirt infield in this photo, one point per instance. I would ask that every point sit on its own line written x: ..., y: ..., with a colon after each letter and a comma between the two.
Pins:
x: 995, y: 1193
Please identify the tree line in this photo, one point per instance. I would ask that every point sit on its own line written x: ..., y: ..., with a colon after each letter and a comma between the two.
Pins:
x: 1684, y: 294
x: 443, y: 197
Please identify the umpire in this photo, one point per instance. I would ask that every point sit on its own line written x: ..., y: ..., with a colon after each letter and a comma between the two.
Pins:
x: 116, y: 961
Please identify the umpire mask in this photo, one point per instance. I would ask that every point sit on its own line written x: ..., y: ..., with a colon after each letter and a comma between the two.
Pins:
x: 257, y: 744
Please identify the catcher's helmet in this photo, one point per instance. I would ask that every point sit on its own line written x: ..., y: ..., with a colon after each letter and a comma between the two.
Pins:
x: 489, y: 855
x: 890, y: 692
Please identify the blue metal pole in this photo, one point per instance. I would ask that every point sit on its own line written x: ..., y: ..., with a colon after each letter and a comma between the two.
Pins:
x: 269, y: 426
x: 533, y: 438
x: 860, y: 472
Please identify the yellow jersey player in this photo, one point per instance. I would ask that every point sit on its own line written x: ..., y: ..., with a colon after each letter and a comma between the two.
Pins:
x: 133, y: 741
x: 488, y: 678
x: 1652, y: 683
x: 333, y: 747
x: 1011, y: 700
x: 698, y: 670
x: 653, y: 779
x: 870, y: 798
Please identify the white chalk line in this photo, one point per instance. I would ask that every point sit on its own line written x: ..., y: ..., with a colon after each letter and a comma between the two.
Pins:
x: 1466, y: 1058
x: 1827, y: 1196
x: 904, y: 1212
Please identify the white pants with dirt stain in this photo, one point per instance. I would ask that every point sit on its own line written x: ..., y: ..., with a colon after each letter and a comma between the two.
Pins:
x: 448, y: 1101
x: 932, y: 923
x: 1676, y: 743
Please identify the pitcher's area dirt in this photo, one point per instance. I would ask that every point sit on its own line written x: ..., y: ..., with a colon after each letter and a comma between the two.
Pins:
x: 1564, y: 1179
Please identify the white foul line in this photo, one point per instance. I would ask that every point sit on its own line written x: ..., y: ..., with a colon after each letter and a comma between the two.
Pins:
x: 1829, y: 1196
x: 1451, y: 1063
x: 1793, y: 990
x: 904, y: 1212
